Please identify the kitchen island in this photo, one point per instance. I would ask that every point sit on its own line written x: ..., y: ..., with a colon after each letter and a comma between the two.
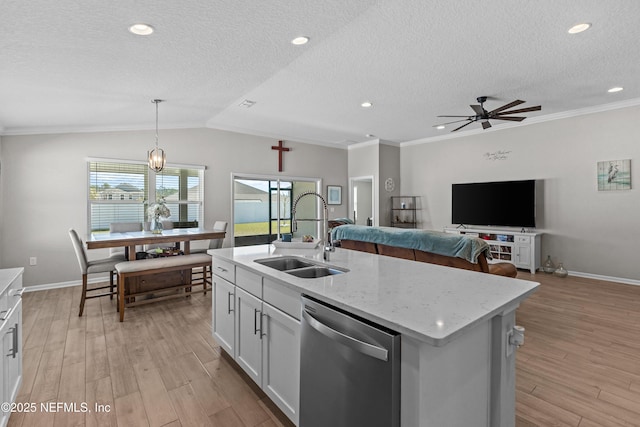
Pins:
x: 457, y: 365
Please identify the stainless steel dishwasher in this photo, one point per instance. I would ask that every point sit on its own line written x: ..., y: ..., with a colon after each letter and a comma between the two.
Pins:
x: 349, y: 370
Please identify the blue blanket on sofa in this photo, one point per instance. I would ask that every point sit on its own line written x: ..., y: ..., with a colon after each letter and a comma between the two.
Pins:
x: 437, y: 242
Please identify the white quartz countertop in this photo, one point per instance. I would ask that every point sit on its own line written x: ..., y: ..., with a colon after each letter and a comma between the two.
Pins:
x: 431, y: 303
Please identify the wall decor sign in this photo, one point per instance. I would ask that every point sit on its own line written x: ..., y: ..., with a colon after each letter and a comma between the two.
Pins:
x: 614, y: 175
x: 334, y: 194
x: 497, y: 155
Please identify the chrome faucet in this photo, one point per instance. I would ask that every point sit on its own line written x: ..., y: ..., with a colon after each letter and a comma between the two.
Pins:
x: 327, y: 245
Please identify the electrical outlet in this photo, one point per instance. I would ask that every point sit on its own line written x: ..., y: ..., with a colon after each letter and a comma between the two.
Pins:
x: 33, y: 261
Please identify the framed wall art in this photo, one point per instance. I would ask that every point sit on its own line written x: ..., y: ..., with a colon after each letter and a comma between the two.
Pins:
x: 614, y: 175
x: 334, y: 194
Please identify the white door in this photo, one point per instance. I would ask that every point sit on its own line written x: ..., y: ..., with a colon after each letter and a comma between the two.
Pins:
x: 249, y: 334
x: 223, y: 314
x: 281, y: 360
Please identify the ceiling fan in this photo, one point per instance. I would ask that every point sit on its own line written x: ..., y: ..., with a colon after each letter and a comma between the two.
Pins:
x: 499, y: 113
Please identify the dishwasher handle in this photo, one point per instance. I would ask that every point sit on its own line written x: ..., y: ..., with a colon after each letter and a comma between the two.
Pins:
x: 360, y: 346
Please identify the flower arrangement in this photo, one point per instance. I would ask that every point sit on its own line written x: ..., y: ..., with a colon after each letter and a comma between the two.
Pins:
x: 159, y: 210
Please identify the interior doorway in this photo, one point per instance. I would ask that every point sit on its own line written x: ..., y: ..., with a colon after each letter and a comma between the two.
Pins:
x: 362, y: 200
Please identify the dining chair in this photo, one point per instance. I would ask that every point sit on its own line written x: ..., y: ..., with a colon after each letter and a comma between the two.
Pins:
x: 204, y: 274
x: 214, y: 243
x: 105, y: 265
x: 123, y: 227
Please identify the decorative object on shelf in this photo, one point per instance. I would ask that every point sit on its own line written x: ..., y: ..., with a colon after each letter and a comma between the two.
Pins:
x: 334, y: 194
x: 403, y: 211
x: 548, y: 266
x: 389, y: 185
x: 560, y: 271
x: 614, y: 175
x: 157, y: 212
x: 281, y: 149
x: 157, y: 158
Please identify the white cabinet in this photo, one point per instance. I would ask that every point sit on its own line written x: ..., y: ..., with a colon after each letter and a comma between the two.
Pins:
x: 281, y: 360
x: 223, y: 314
x: 261, y: 331
x: 519, y: 248
x: 523, y: 252
x: 10, y: 336
x: 249, y: 334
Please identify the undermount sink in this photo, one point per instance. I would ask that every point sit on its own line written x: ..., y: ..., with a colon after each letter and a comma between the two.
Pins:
x: 283, y: 264
x: 313, y: 272
x: 300, y: 268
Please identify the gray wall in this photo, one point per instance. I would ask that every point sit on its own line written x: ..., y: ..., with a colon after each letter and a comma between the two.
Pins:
x: 382, y: 161
x: 593, y: 232
x: 44, y: 181
x: 389, y: 168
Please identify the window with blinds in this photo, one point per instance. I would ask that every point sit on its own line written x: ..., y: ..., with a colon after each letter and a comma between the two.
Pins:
x: 120, y: 191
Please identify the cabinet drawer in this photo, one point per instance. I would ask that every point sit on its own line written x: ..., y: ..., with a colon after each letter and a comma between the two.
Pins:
x: 523, y: 239
x: 282, y: 298
x: 249, y: 281
x: 224, y: 269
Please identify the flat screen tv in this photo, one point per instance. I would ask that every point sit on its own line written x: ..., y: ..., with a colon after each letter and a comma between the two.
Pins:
x: 504, y: 203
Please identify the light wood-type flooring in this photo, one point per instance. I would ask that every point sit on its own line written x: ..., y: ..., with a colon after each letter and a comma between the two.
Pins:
x: 580, y: 365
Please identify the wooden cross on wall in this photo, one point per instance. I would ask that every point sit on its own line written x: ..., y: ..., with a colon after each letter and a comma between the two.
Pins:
x: 280, y: 149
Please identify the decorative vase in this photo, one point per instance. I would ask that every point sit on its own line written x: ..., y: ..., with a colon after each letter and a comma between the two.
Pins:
x: 548, y: 266
x: 560, y: 271
x: 156, y: 225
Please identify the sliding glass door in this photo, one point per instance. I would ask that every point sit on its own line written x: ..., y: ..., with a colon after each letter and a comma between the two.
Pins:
x: 262, y: 208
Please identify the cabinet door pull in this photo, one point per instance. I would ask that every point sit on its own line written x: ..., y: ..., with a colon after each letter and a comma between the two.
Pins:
x: 16, y: 292
x: 15, y: 341
x: 262, y: 332
x: 256, y: 329
x: 224, y: 270
x: 6, y: 315
x: 229, y: 309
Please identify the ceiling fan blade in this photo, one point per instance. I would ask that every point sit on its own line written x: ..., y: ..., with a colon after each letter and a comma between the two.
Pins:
x: 454, y: 116
x: 513, y: 119
x: 486, y: 125
x: 522, y: 110
x: 448, y: 123
x: 507, y: 106
x: 478, y: 109
x: 466, y: 124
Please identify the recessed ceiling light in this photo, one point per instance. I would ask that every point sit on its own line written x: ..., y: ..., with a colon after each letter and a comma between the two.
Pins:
x: 615, y: 89
x: 440, y: 127
x: 366, y: 104
x: 141, y: 29
x: 579, y: 28
x: 300, y: 40
x: 369, y: 135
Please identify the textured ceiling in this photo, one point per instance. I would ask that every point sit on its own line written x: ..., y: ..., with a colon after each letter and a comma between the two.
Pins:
x: 72, y: 66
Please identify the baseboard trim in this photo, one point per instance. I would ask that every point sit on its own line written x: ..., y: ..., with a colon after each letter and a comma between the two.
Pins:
x: 605, y: 278
x: 58, y: 285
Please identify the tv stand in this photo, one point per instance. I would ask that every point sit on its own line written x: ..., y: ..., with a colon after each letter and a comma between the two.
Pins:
x: 520, y: 248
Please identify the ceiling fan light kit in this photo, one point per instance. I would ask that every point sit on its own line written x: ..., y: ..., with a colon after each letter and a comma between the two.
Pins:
x: 483, y: 116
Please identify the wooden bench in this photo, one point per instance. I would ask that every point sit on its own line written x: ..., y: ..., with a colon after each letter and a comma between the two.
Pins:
x: 150, y: 272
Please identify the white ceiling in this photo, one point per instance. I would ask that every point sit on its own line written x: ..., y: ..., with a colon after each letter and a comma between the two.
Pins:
x: 69, y: 65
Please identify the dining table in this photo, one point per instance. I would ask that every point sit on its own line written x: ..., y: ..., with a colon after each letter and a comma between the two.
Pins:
x: 130, y: 239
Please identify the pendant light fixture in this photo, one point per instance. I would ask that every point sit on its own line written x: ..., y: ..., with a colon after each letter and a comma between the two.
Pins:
x: 157, y: 158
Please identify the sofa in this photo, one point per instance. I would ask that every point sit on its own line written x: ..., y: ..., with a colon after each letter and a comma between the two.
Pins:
x: 434, y: 247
